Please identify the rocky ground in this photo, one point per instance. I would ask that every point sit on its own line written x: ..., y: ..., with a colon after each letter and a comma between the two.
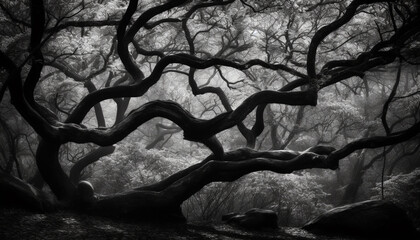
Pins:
x: 22, y: 225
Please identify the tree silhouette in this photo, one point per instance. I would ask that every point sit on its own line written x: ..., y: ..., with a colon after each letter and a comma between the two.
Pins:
x: 203, y: 35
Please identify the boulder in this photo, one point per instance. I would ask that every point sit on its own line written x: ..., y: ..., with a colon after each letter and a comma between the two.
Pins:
x: 85, y: 190
x: 253, y: 219
x: 85, y: 195
x: 373, y: 219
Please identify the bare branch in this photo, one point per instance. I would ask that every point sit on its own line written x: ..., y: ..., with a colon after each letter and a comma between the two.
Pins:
x: 81, y: 24
x: 389, y: 100
x: 194, y: 129
x: 322, y: 33
x: 374, y: 142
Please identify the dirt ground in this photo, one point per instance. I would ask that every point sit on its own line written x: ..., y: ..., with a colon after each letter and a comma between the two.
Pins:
x: 22, y: 225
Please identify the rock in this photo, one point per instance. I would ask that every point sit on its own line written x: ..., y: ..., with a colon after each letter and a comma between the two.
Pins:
x: 373, y: 219
x: 85, y: 188
x: 253, y: 219
x: 85, y: 193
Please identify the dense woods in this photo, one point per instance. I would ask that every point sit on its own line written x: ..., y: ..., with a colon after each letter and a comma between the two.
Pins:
x: 190, y: 109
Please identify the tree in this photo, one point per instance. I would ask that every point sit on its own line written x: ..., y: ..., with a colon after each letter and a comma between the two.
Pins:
x: 112, y: 50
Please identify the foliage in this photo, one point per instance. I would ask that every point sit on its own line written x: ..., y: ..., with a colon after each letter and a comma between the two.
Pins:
x: 403, y: 190
x: 295, y: 197
x: 131, y: 165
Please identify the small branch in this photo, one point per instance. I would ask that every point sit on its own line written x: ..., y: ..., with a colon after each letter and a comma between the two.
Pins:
x: 322, y: 33
x: 374, y: 142
x: 82, y: 24
x: 93, y: 156
x: 389, y: 100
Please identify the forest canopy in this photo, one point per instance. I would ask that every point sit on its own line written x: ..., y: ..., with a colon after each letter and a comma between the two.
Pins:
x: 155, y: 102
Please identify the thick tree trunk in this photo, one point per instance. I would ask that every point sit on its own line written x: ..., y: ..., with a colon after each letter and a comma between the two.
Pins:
x: 51, y: 171
x: 162, y: 201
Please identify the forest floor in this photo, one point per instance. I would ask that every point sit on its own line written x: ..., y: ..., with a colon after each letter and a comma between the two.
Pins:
x: 22, y: 225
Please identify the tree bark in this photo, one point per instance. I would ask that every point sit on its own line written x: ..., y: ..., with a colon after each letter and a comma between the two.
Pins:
x: 88, y: 159
x: 49, y: 166
x: 163, y: 200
